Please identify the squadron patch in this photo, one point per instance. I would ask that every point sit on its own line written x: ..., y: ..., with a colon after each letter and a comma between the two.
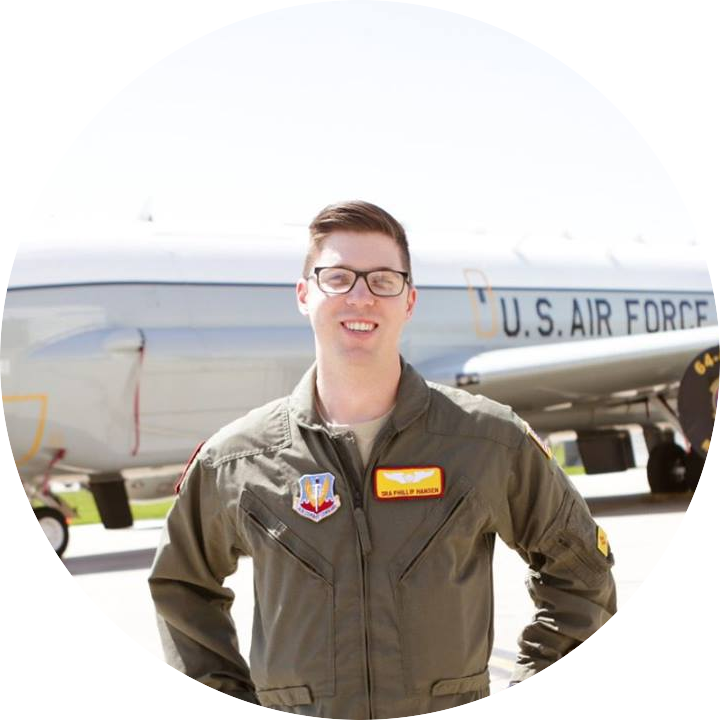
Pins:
x: 316, y: 499
x: 602, y: 542
x: 408, y: 483
x: 539, y: 442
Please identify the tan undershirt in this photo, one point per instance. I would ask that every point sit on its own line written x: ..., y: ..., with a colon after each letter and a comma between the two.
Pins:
x: 365, y: 433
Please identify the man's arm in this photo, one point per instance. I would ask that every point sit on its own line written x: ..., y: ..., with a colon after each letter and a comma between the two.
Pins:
x: 569, y: 578
x: 199, y: 548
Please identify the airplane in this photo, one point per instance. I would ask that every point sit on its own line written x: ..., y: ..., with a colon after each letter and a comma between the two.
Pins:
x: 124, y: 348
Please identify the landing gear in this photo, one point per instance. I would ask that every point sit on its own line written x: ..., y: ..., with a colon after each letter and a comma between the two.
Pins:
x: 55, y: 526
x: 694, y: 464
x: 671, y: 470
x: 51, y: 515
x: 111, y: 498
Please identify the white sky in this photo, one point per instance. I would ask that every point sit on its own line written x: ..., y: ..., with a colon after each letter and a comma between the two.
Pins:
x: 446, y: 121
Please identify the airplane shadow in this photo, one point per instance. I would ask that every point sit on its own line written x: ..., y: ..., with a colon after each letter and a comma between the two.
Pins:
x: 110, y: 562
x: 639, y: 504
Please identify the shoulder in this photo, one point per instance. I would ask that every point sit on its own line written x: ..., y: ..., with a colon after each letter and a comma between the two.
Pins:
x: 453, y: 411
x: 263, y: 429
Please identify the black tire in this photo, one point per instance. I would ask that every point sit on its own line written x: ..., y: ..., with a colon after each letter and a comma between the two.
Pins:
x: 694, y: 464
x: 55, y: 526
x: 666, y: 469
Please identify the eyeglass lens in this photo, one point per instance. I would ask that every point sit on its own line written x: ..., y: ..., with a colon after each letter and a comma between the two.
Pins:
x: 380, y: 282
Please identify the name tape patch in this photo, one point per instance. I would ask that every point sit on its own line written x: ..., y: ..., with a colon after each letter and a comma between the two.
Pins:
x: 409, y: 483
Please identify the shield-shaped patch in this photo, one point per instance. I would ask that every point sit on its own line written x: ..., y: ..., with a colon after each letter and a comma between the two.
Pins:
x: 316, y: 499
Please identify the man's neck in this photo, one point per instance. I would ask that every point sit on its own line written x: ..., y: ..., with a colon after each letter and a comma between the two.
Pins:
x: 350, y: 394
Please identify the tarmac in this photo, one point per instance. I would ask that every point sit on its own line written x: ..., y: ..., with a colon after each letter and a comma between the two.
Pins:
x: 112, y: 566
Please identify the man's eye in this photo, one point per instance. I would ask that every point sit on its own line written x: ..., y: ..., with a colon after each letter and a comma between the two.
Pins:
x: 382, y: 281
x: 336, y: 277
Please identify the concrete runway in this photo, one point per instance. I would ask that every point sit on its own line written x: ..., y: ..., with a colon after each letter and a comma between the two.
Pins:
x: 112, y: 566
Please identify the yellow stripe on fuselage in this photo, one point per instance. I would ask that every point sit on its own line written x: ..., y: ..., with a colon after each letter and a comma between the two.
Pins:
x: 43, y: 400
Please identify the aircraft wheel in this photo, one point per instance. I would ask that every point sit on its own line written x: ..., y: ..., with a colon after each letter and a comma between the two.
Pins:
x: 694, y: 465
x: 666, y: 469
x: 55, y: 527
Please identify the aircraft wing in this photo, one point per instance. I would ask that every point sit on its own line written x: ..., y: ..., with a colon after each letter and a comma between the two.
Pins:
x: 603, y: 371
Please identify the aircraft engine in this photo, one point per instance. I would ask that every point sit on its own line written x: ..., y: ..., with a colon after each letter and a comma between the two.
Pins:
x: 670, y: 468
x: 698, y: 397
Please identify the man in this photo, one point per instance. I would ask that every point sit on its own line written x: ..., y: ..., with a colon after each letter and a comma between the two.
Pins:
x: 369, y: 501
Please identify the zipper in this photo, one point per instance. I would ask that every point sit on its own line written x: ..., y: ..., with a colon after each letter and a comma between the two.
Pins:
x: 448, y: 517
x: 374, y: 455
x: 363, y: 533
x: 275, y: 538
x: 372, y: 459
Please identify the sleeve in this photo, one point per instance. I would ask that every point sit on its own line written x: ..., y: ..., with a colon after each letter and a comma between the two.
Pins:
x: 546, y: 520
x: 198, y: 549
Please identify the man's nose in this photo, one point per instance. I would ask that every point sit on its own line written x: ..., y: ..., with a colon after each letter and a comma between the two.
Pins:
x: 360, y: 294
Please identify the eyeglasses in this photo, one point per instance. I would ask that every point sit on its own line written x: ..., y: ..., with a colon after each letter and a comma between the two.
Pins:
x: 340, y: 280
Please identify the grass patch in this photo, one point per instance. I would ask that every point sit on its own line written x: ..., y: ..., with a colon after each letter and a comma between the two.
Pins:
x: 559, y: 453
x: 84, y: 504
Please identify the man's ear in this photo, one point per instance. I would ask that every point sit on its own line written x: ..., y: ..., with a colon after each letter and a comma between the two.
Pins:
x: 411, y: 300
x: 301, y: 291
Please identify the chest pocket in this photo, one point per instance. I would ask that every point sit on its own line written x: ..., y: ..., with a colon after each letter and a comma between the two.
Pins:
x: 442, y: 580
x: 293, y: 638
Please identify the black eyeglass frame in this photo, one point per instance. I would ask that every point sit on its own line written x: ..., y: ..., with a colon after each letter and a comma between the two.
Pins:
x: 360, y: 274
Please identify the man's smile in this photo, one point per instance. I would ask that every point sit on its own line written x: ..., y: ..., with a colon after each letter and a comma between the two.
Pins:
x: 359, y: 326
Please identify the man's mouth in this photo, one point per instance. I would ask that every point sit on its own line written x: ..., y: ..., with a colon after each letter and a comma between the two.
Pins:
x: 357, y: 326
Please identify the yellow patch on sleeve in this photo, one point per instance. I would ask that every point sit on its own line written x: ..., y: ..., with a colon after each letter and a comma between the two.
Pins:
x: 602, y: 542
x: 539, y: 442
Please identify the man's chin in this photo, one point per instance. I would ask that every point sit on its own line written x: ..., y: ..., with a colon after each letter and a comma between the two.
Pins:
x: 360, y: 356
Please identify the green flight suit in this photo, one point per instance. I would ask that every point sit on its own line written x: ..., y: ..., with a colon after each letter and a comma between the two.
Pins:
x: 381, y: 608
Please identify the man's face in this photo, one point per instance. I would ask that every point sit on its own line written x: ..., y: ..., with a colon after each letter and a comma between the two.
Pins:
x: 357, y: 327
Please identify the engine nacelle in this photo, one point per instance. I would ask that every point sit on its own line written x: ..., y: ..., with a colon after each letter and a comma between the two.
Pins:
x: 698, y: 397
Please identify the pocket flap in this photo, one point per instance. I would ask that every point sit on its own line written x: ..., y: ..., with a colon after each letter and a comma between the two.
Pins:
x: 455, y: 686
x: 299, y: 695
x: 281, y: 533
x: 429, y: 528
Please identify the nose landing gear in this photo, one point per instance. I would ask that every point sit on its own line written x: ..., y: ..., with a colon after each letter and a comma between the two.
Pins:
x: 55, y: 527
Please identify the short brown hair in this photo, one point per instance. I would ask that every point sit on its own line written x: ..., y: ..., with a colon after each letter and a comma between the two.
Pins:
x: 358, y: 216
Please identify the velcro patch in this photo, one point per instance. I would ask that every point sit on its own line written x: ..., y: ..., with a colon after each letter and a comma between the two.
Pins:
x: 316, y: 498
x: 602, y: 542
x: 409, y: 483
x: 539, y: 442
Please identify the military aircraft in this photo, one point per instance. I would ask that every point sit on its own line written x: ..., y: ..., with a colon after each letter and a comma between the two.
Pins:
x: 126, y: 348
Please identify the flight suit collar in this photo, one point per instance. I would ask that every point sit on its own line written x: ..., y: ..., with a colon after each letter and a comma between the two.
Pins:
x: 412, y: 399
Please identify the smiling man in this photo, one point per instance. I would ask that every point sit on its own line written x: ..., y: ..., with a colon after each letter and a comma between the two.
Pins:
x: 358, y: 294
x: 369, y: 501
